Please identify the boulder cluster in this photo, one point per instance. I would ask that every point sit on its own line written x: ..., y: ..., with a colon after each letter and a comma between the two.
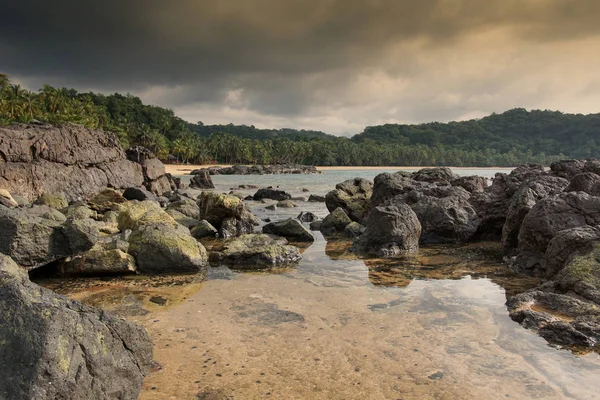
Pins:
x: 547, y: 220
x: 259, y: 170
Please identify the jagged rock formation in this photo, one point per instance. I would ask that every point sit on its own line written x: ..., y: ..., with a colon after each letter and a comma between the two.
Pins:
x: 71, y: 159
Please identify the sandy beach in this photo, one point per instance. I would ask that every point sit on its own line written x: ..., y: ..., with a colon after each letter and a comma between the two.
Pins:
x: 176, y: 169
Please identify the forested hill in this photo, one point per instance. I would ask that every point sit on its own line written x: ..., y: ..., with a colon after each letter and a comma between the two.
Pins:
x: 511, y: 138
x: 549, y: 132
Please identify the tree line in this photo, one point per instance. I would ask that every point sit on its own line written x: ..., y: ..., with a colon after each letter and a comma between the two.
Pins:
x: 515, y: 137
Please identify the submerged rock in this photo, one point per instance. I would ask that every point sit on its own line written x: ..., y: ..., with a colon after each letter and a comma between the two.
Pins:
x: 256, y: 251
x: 56, y: 348
x: 314, y: 198
x: 391, y: 230
x: 290, y: 229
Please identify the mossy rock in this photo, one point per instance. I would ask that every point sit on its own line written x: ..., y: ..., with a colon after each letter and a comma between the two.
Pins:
x: 138, y: 214
x: 256, y: 252
x: 58, y: 201
x: 582, y: 274
x: 107, y: 200
x: 160, y: 248
x: 335, y: 222
x: 204, y: 229
x: 79, y: 212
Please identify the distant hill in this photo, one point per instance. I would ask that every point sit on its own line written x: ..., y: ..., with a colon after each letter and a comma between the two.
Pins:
x: 514, y: 137
x: 549, y: 132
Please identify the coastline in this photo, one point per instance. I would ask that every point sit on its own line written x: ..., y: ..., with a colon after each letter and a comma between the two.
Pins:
x: 179, y: 169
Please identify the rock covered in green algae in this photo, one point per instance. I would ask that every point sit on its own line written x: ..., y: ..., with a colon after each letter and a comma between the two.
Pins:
x: 226, y: 213
x: 55, y: 348
x: 335, y: 222
x: 291, y: 229
x: 79, y: 211
x: 256, y: 251
x: 353, y: 196
x: 160, y: 248
x: 187, y: 207
x: 98, y: 261
x: 138, y: 214
x: 183, y: 219
x: 58, y: 201
x: 204, y: 229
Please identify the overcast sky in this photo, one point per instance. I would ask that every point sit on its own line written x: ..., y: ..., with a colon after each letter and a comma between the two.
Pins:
x: 331, y: 65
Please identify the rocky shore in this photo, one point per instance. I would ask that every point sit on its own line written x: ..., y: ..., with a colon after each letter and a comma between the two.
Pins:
x: 259, y: 170
x: 72, y: 203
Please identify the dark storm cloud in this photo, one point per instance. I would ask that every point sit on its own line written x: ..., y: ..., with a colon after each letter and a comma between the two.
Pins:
x: 275, y: 55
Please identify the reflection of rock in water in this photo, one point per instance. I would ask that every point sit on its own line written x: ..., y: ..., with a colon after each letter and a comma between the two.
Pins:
x: 339, y: 249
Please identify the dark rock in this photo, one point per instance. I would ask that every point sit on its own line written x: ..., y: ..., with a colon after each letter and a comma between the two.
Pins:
x: 434, y: 175
x: 316, y: 198
x: 391, y: 230
x: 71, y: 159
x: 492, y: 204
x: 564, y: 244
x: 335, y: 222
x: 140, y: 194
x: 528, y: 194
x: 306, y: 217
x: 353, y: 196
x: 354, y: 230
x: 387, y: 186
x: 548, y: 217
x: 585, y: 182
x: 202, y: 180
x: 106, y: 200
x: 57, y: 348
x: 272, y: 194
x: 291, y: 229
x: 581, y: 274
x: 256, y: 251
x: 203, y: 230
x: 317, y: 225
x: 183, y: 219
x: 471, y: 184
x: 567, y: 169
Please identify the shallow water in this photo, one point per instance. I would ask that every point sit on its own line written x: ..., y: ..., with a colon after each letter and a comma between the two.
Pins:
x: 429, y: 326
x: 432, y: 326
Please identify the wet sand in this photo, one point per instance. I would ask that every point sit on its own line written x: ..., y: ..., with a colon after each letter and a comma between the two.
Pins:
x: 336, y: 328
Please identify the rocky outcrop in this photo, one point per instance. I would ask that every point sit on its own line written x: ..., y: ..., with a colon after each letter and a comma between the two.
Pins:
x: 259, y: 170
x: 528, y: 194
x: 38, y: 235
x: 226, y: 213
x: 434, y: 175
x: 472, y: 184
x: 391, y: 230
x: 156, y: 179
x: 291, y: 229
x: 201, y: 180
x: 69, y: 159
x: 256, y: 251
x: 353, y: 196
x: 56, y: 348
x: 335, y: 222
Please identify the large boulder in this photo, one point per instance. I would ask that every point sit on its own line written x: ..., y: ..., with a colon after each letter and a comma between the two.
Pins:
x: 492, y: 204
x: 528, y: 194
x: 98, y: 261
x: 226, y: 213
x: 585, y: 182
x: 391, y: 230
x: 581, y: 274
x: 71, y: 159
x: 55, y: 348
x: 353, y: 196
x: 156, y: 180
x: 445, y: 214
x: 387, y: 186
x: 565, y: 244
x: 186, y: 206
x: 137, y: 214
x: 160, y: 248
x: 434, y: 175
x: 335, y: 222
x: 472, y: 184
x: 272, y: 194
x: 256, y: 251
x: 201, y: 180
x: 291, y: 229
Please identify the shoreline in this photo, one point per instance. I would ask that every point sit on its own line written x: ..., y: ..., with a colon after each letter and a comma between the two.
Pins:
x: 179, y: 169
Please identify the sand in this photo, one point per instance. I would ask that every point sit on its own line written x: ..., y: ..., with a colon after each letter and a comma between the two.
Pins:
x: 185, y: 169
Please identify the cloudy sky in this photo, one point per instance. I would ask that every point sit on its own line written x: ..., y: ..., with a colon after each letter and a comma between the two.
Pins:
x: 332, y: 65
